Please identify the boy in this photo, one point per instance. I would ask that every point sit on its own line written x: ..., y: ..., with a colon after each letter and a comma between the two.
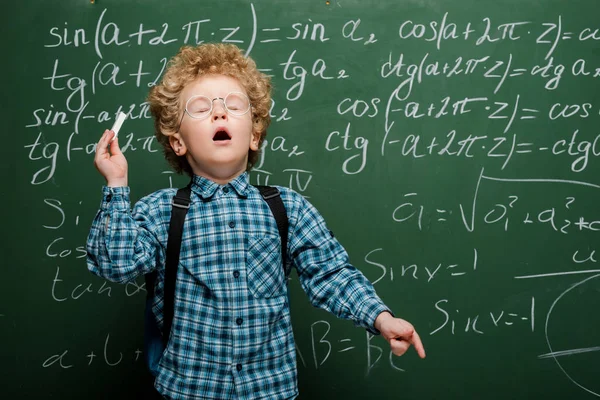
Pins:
x: 231, y: 335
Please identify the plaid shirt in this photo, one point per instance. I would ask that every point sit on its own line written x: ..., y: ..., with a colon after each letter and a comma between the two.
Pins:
x: 232, y: 335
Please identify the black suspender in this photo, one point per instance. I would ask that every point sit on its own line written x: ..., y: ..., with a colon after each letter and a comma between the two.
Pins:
x: 272, y: 196
x: 181, y: 205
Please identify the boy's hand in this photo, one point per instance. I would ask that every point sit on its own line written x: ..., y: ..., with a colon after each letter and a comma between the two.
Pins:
x: 399, y: 333
x: 111, y: 163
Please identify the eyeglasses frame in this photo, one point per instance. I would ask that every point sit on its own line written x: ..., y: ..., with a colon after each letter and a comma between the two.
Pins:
x: 212, y: 102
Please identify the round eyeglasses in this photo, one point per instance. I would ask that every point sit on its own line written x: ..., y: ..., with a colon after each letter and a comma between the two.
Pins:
x: 200, y: 106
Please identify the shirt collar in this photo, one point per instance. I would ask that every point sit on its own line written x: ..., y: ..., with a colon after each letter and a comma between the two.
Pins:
x: 206, y: 188
x: 240, y: 184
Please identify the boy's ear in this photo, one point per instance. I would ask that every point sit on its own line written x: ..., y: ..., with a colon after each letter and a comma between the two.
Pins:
x: 254, y: 141
x: 177, y: 144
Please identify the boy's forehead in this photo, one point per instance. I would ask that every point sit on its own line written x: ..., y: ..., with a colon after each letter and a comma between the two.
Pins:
x: 213, y: 85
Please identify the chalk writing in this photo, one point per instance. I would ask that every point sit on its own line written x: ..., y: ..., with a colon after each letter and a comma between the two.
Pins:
x: 453, y: 149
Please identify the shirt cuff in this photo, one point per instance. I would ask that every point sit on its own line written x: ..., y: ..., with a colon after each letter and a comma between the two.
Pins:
x: 373, y: 312
x: 115, y: 198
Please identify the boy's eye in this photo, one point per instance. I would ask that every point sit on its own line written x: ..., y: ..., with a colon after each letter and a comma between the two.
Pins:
x: 198, y: 110
x: 236, y: 102
x: 198, y: 106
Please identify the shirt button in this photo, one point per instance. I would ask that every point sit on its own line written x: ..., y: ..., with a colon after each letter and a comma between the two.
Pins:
x: 238, y: 367
x: 236, y: 274
x: 109, y: 197
x: 232, y: 224
x: 225, y: 190
x: 239, y: 321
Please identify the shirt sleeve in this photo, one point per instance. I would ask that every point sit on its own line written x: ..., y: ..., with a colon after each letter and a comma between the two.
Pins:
x: 122, y: 244
x: 325, y: 273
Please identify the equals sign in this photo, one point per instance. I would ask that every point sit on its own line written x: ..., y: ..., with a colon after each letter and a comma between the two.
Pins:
x: 441, y: 219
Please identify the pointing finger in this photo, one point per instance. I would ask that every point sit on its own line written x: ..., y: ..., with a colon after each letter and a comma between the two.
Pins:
x: 416, y: 341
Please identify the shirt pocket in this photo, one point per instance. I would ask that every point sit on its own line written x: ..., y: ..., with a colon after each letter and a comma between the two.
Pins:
x: 265, y: 271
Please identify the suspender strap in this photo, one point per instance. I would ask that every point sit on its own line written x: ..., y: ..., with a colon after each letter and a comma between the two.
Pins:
x: 181, y: 204
x: 272, y: 196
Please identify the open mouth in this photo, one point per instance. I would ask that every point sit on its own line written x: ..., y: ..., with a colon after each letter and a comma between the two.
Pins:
x: 221, y: 135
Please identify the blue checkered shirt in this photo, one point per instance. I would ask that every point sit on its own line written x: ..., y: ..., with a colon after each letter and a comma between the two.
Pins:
x: 232, y: 335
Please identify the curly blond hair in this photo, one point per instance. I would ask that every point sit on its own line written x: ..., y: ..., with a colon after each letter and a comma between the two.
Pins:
x: 189, y: 64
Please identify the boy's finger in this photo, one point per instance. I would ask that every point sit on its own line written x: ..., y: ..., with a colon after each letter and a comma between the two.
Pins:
x: 104, y: 138
x: 416, y: 341
x: 399, y: 346
x: 101, y: 146
x: 114, y: 144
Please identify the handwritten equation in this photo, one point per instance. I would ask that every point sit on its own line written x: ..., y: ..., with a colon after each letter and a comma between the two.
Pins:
x: 441, y: 140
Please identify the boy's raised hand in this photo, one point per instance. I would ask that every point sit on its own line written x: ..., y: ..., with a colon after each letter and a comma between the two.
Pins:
x: 399, y: 333
x: 110, y: 161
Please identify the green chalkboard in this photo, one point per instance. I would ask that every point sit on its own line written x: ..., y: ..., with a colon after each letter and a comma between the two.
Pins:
x: 452, y: 146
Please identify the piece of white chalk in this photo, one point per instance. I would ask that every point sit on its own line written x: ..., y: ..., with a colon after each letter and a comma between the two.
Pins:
x: 118, y: 122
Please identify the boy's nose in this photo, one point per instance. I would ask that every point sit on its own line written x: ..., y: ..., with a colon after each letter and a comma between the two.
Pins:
x: 219, y: 110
